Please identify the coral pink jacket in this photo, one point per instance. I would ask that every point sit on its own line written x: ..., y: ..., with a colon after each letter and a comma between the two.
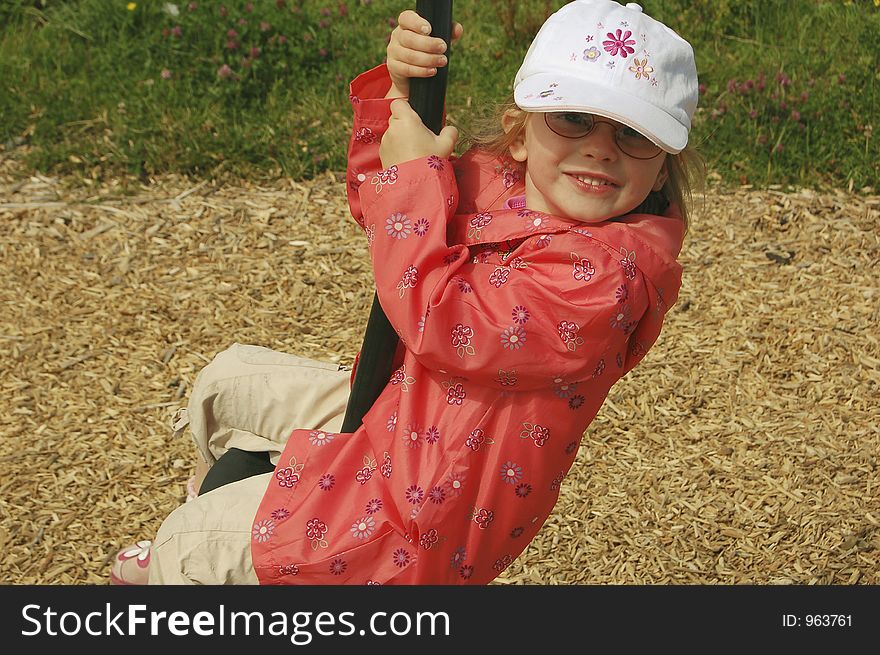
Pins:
x: 514, y: 325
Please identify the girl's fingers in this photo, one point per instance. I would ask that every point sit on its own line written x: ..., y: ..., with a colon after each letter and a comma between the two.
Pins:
x: 415, y: 23
x: 413, y: 31
x: 400, y: 108
x: 412, y: 21
x: 412, y: 52
x: 414, y: 41
x: 407, y: 70
x: 416, y: 58
x: 447, y: 139
x: 457, y: 31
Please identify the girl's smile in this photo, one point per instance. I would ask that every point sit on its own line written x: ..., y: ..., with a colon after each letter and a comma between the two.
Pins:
x: 592, y: 182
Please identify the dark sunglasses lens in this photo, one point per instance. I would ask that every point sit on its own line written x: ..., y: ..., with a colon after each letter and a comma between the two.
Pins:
x: 570, y: 124
x: 635, y: 144
x: 574, y: 125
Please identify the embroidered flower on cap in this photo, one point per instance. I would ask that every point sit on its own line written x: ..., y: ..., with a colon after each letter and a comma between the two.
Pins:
x: 641, y: 68
x: 592, y: 54
x: 619, y: 43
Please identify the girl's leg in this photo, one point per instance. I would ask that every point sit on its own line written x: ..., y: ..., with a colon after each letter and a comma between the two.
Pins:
x: 249, y: 398
x: 207, y: 541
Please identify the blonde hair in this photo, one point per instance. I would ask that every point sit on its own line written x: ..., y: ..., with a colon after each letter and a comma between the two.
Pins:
x: 686, y: 170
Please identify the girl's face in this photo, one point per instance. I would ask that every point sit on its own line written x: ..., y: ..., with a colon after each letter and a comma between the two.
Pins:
x: 587, y: 179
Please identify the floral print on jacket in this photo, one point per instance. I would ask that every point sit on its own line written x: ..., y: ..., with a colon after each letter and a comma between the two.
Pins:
x: 513, y: 327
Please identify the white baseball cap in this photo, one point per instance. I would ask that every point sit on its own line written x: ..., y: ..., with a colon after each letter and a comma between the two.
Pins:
x: 600, y: 57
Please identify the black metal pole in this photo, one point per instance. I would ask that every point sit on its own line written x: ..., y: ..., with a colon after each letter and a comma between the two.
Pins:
x: 427, y: 98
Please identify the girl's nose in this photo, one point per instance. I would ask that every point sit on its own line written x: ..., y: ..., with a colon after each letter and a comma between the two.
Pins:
x: 600, y: 142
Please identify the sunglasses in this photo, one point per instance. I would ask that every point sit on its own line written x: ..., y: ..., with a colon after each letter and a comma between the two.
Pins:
x: 575, y: 125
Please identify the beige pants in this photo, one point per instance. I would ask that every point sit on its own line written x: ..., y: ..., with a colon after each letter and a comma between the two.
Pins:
x: 249, y: 398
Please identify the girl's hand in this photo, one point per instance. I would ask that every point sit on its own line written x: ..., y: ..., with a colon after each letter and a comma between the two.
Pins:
x: 407, y: 138
x: 412, y: 53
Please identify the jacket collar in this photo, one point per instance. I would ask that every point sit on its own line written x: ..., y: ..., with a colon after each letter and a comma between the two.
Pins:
x: 493, y: 226
x: 486, y: 183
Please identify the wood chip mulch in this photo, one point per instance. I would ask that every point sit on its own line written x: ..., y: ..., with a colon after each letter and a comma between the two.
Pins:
x: 742, y: 451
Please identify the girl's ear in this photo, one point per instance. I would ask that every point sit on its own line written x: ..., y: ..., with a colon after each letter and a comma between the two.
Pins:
x: 662, y: 176
x: 510, y: 121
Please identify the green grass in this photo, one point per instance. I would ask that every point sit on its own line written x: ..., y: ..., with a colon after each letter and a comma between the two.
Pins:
x: 81, y: 81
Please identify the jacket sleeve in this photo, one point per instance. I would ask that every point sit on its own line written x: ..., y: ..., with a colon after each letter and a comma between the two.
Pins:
x: 371, y: 113
x: 560, y: 307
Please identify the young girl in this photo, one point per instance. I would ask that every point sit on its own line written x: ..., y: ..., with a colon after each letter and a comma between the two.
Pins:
x: 524, y: 279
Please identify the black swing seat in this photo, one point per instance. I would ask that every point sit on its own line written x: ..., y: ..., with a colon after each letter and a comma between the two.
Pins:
x: 235, y: 465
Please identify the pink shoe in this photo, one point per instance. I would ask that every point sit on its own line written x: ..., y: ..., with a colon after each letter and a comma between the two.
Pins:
x: 131, y: 564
